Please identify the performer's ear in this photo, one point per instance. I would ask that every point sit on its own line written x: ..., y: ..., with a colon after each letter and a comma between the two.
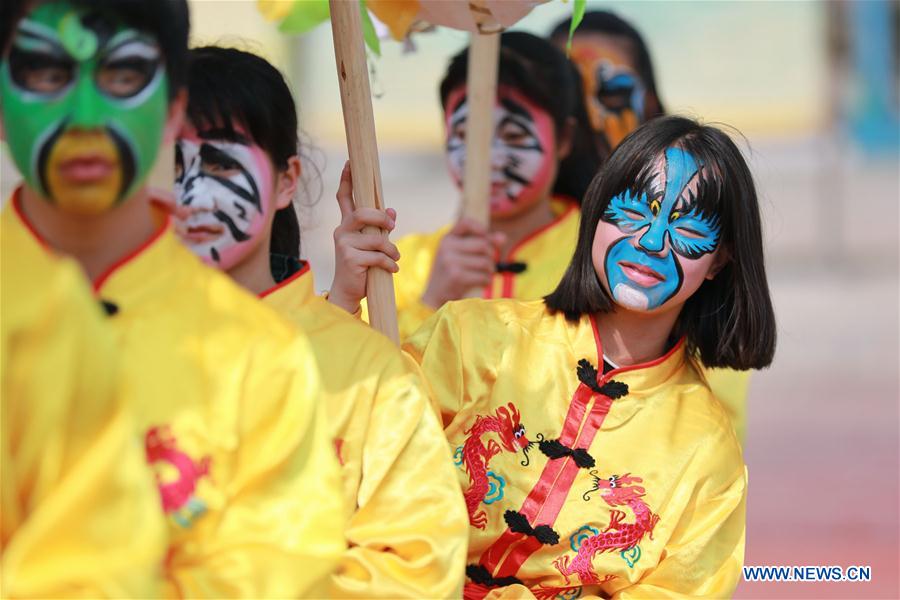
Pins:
x: 723, y: 257
x: 286, y: 182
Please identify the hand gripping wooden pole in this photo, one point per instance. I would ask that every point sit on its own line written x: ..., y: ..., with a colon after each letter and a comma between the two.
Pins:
x: 481, y: 94
x: 359, y: 126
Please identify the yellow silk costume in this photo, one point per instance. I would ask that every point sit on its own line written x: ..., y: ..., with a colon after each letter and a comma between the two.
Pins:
x: 628, y: 492
x: 407, y: 523
x: 545, y: 254
x: 226, y: 398
x: 79, y: 514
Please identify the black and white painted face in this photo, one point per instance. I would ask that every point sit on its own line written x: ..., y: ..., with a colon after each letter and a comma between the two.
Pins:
x: 223, y: 188
x: 523, y: 150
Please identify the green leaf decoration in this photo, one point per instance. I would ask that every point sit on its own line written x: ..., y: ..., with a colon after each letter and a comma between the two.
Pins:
x: 578, y: 8
x: 305, y: 16
x: 368, y: 28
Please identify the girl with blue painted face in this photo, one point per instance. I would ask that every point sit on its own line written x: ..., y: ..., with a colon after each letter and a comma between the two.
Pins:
x: 617, y: 473
x: 670, y: 242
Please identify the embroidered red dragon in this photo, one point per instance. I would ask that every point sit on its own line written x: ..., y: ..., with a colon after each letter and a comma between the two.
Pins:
x: 177, y: 496
x: 616, y: 491
x: 476, y: 456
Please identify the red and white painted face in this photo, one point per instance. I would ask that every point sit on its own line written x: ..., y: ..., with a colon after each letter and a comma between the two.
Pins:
x: 523, y: 150
x: 224, y: 194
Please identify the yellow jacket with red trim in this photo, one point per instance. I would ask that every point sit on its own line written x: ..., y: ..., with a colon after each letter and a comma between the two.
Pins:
x: 579, y: 484
x: 532, y: 270
x: 226, y: 396
x: 79, y: 514
x: 408, y: 526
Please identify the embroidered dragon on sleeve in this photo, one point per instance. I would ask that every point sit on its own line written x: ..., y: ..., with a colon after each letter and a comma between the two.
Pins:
x: 506, y: 423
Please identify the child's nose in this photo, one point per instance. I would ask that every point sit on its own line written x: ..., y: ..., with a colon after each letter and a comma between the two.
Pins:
x: 498, y: 155
x: 653, y: 240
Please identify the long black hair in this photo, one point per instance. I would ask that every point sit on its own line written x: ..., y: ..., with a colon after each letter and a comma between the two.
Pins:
x: 729, y: 320
x: 611, y: 24
x: 534, y: 67
x: 228, y: 85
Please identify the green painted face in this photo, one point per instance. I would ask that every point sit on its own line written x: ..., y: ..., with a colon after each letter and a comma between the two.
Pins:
x: 84, y: 104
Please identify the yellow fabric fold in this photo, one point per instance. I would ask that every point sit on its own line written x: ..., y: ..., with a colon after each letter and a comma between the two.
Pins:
x: 79, y: 513
x: 407, y: 521
x: 654, y: 503
x: 226, y: 397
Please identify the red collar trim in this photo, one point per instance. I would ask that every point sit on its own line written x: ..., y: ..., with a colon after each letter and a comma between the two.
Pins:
x: 303, y: 271
x: 99, y: 281
x: 645, y: 365
x: 573, y: 206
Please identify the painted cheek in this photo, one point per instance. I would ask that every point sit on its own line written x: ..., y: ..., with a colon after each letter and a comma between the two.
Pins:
x: 263, y: 175
x: 454, y: 160
x: 547, y: 137
x: 694, y: 272
x: 454, y: 146
x: 537, y: 167
x: 231, y: 251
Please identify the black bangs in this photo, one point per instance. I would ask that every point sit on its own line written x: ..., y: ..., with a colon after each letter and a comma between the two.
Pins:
x: 634, y: 168
x: 229, y: 87
x: 709, y: 153
x: 529, y: 64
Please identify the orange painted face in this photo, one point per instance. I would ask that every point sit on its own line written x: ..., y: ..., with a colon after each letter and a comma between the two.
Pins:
x: 614, y: 93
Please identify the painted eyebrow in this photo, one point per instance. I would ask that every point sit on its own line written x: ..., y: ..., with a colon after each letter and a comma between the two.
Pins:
x: 210, y: 152
x: 644, y: 184
x: 133, y: 47
x: 36, y: 41
x: 516, y: 120
x: 516, y: 109
x: 456, y: 120
x: 687, y: 200
x: 221, y: 133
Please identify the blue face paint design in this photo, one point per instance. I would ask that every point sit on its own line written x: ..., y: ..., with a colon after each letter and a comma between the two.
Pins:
x: 617, y: 86
x: 655, y: 217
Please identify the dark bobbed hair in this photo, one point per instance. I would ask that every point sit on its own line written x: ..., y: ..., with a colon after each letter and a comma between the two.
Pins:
x: 729, y: 320
x: 542, y: 73
x: 228, y: 86
x: 608, y: 23
x: 167, y: 21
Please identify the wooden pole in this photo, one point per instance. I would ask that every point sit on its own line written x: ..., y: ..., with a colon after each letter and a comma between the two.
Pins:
x: 359, y: 126
x: 481, y: 94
